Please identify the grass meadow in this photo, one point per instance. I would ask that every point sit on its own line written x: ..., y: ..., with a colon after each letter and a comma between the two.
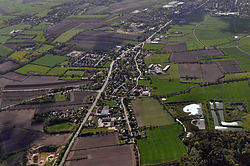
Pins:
x: 151, y: 112
x: 161, y: 145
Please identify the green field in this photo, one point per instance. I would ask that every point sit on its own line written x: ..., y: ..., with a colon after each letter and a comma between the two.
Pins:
x: 236, y: 91
x: 62, y: 70
x: 50, y: 60
x: 161, y: 145
x: 61, y: 127
x: 19, y: 56
x: 151, y: 112
x: 35, y: 69
x: 235, y: 54
x: 68, y: 35
x: 218, y: 30
x: 60, y: 97
x: 157, y: 59
x: 149, y: 46
x: 161, y: 86
x: 57, y: 71
x: 4, y: 51
x: 236, y: 76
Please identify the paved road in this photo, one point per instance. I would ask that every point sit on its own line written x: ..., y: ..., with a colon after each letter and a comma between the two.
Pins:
x: 126, y: 117
x: 148, y: 39
x: 86, y: 117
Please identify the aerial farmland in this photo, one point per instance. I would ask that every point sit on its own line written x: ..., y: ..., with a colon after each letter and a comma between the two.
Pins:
x: 124, y: 82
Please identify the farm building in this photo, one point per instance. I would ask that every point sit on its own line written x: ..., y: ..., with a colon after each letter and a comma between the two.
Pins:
x: 166, y: 68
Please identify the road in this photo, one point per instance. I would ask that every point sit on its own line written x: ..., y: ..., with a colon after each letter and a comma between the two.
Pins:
x: 148, y: 39
x: 87, y: 116
x: 99, y: 94
x: 126, y: 117
x: 197, y: 37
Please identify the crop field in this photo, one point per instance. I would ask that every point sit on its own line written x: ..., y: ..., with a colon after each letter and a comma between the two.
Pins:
x: 149, y: 46
x: 161, y: 145
x: 19, y: 56
x: 235, y: 54
x: 193, y: 56
x: 8, y: 65
x: 35, y: 69
x: 4, y: 51
x: 151, y: 113
x: 175, y: 47
x: 236, y: 91
x: 50, y: 60
x: 164, y: 86
x: 106, y: 156
x: 100, y: 40
x: 66, y: 36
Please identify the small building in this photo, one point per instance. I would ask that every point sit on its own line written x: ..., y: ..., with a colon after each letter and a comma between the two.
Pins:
x: 166, y: 68
x: 105, y: 111
x: 145, y: 93
x: 150, y: 66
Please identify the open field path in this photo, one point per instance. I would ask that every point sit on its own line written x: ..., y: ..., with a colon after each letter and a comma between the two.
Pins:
x: 197, y: 25
x: 87, y: 116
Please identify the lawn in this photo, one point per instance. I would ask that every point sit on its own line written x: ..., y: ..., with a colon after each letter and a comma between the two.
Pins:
x: 68, y: 35
x: 30, y: 68
x: 236, y: 91
x: 149, y: 46
x: 4, y: 51
x: 161, y: 86
x: 151, y: 112
x: 50, y: 60
x: 161, y: 145
x: 61, y: 127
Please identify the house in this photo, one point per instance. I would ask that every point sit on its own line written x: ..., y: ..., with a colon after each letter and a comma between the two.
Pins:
x: 150, y: 66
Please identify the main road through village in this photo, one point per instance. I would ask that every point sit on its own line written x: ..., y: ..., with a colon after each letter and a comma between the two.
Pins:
x: 102, y: 89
